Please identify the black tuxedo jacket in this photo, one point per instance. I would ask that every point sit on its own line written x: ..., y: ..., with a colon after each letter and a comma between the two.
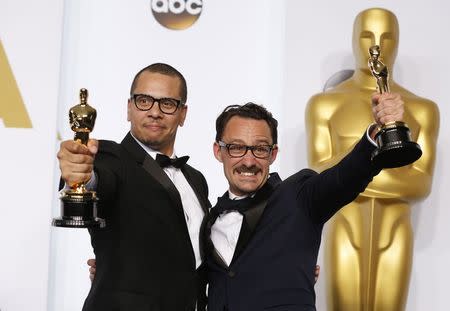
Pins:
x: 275, y: 257
x: 145, y: 259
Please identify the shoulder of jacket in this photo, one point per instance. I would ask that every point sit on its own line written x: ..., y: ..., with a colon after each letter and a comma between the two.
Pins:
x: 194, y: 171
x: 301, y: 176
x: 109, y: 146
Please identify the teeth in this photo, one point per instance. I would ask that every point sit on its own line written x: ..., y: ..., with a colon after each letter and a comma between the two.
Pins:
x: 247, y: 173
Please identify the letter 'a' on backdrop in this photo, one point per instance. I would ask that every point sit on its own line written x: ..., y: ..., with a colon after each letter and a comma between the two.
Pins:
x: 12, y: 109
x: 176, y: 14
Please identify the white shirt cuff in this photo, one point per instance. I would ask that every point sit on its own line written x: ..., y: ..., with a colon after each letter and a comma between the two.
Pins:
x: 368, y: 131
x: 91, y: 185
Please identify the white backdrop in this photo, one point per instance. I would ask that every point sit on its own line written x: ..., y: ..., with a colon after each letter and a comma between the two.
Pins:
x: 277, y: 53
x: 318, y: 44
x: 30, y: 32
x: 225, y: 59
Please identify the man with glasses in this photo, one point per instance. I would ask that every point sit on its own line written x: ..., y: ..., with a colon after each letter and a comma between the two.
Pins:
x: 263, y: 236
x: 148, y: 256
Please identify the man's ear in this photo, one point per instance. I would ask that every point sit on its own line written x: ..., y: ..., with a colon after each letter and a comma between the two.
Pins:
x: 183, y: 112
x: 217, y: 153
x: 274, y: 154
x: 129, y: 109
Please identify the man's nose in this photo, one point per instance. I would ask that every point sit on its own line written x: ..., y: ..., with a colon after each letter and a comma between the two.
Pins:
x: 249, y: 159
x: 154, y: 111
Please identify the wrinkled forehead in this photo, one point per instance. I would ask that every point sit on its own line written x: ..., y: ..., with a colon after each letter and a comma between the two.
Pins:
x: 377, y: 23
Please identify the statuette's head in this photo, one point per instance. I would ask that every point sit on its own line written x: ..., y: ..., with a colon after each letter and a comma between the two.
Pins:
x: 83, y: 96
x: 375, y: 27
x: 374, y: 51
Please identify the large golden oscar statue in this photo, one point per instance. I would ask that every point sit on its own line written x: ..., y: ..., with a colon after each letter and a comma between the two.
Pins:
x: 369, y: 243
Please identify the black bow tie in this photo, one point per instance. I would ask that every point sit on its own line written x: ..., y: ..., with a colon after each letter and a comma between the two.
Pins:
x: 225, y: 204
x: 165, y: 161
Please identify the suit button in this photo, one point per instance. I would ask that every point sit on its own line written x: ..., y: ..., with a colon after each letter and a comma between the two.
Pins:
x: 231, y: 274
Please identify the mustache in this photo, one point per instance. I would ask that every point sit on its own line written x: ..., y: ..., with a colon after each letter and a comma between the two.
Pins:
x: 248, y: 169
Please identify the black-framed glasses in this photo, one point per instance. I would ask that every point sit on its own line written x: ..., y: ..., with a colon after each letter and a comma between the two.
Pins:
x: 145, y: 102
x: 238, y: 151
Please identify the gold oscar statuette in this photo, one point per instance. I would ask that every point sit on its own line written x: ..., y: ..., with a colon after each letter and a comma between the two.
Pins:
x: 79, y: 205
x: 395, y: 147
x: 368, y: 245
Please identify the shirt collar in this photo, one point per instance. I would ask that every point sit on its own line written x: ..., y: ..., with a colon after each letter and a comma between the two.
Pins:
x: 233, y: 196
x: 236, y: 197
x: 149, y: 150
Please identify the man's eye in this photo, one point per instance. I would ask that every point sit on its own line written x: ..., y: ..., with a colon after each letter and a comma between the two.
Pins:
x: 261, y: 148
x: 237, y: 147
x: 168, y: 104
x: 142, y: 99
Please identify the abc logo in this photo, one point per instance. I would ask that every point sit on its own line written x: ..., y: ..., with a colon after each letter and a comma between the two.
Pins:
x: 176, y: 14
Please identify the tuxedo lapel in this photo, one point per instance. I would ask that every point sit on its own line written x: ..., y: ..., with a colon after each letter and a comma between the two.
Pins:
x: 219, y: 260
x: 207, y: 244
x: 152, y: 167
x: 249, y: 222
x: 253, y: 215
x: 195, y: 184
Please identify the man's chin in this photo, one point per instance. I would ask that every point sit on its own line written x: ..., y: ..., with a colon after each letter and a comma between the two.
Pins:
x: 248, y: 189
x: 153, y: 143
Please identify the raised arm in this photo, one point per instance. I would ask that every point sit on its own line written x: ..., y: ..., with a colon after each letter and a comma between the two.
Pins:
x: 413, y: 181
x: 340, y: 184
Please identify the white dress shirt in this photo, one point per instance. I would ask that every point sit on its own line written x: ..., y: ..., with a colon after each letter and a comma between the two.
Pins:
x: 225, y: 231
x: 193, y: 212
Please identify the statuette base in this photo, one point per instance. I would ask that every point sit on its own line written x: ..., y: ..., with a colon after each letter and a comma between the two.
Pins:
x: 78, y: 210
x: 395, y: 148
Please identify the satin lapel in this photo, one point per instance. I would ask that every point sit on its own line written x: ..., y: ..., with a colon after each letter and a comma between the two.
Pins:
x: 249, y: 223
x: 151, y: 167
x: 253, y: 215
x: 218, y: 259
x: 208, y: 245
x: 157, y: 172
x: 195, y: 183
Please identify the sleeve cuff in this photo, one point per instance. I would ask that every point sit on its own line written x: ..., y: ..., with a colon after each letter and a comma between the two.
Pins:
x: 90, y: 185
x: 368, y: 131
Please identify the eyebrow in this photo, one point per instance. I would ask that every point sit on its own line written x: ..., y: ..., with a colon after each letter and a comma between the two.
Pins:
x: 258, y: 142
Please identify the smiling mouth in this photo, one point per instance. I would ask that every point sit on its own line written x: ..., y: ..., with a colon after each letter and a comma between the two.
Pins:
x: 247, y: 172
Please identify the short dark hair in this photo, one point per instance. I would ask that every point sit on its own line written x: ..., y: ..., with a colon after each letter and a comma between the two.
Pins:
x: 163, y: 69
x: 250, y: 111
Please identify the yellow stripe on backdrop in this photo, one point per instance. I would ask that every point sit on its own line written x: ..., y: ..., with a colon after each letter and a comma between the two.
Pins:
x: 12, y: 108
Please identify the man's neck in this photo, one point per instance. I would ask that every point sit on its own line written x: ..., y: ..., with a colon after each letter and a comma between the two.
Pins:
x: 237, y: 197
x: 151, y: 151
